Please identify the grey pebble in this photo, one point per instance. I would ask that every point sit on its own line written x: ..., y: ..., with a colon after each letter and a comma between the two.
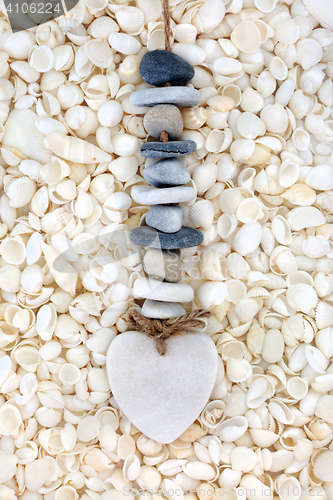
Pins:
x: 179, y: 96
x: 169, y: 171
x: 164, y: 117
x: 153, y: 149
x: 168, y: 219
x: 161, y: 310
x: 159, y: 196
x: 158, y: 67
x: 146, y: 236
x: 165, y: 264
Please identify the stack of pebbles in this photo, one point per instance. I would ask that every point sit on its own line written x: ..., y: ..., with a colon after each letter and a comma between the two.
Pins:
x: 164, y: 234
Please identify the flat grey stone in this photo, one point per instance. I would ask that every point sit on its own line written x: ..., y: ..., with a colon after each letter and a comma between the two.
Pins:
x: 166, y: 264
x: 149, y: 288
x: 162, y: 395
x: 158, y: 67
x: 164, y: 117
x: 161, y: 310
x: 158, y: 196
x: 168, y: 219
x: 179, y: 96
x: 169, y: 149
x: 146, y: 236
x: 167, y: 172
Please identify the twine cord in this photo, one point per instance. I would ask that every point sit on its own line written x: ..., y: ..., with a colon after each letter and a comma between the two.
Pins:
x: 161, y: 330
x: 167, y: 27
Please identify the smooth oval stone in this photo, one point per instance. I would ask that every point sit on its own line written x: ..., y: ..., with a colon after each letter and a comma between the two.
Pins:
x: 162, y: 395
x: 149, y: 288
x: 179, y: 96
x: 149, y: 237
x: 161, y: 310
x: 164, y: 117
x: 168, y: 219
x: 166, y: 264
x: 169, y: 171
x: 159, y: 196
x: 170, y: 149
x: 159, y: 67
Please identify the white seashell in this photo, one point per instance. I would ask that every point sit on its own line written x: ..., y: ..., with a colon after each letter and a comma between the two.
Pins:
x: 17, y: 45
x: 288, y: 173
x: 300, y: 194
x: 297, y: 387
x: 13, y: 251
x: 20, y: 191
x: 315, y: 246
x: 201, y: 214
x: 323, y: 340
x: 309, y: 53
x: 42, y: 59
x: 185, y: 33
x: 301, y: 139
x: 275, y: 118
x: 73, y: 149
x: 95, y: 6
x: 248, y: 238
x: 232, y: 429
x: 130, y: 20
x: 302, y: 297
x: 99, y: 53
x: 246, y: 37
x: 320, y: 177
x: 243, y: 459
x: 238, y: 370
x: 226, y: 225
x: 102, y: 27
x: 281, y: 230
x: 22, y: 134
x: 321, y: 12
x: 204, y: 176
x: 211, y: 294
x: 192, y: 53
x: 322, y: 467
x: 50, y: 34
x: 311, y: 80
x: 69, y: 95
x: 249, y: 211
x: 151, y: 9
x: 265, y: 5
x: 124, y: 43
x: 10, y: 419
x: 250, y: 126
x: 304, y: 217
x: 278, y: 68
x: 125, y: 145
x: 10, y: 279
x: 69, y: 374
x: 252, y: 100
x: 52, y: 79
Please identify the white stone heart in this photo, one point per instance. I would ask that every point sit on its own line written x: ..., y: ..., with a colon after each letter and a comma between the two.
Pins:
x: 162, y: 395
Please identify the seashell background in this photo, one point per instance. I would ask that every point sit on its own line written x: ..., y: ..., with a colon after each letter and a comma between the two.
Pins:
x: 263, y: 171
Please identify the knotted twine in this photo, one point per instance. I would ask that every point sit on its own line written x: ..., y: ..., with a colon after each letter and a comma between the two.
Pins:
x: 161, y: 330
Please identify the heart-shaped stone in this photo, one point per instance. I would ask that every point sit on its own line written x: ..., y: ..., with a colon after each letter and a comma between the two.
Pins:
x: 162, y: 395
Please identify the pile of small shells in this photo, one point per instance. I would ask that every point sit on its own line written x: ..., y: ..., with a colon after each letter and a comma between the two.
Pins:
x: 263, y: 170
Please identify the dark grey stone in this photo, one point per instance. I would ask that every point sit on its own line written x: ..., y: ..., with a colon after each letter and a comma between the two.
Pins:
x: 149, y: 237
x: 165, y: 218
x: 179, y: 96
x: 164, y: 117
x: 167, y: 172
x: 169, y: 149
x: 160, y: 66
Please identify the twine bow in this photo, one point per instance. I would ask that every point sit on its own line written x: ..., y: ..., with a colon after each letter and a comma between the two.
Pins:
x: 161, y: 330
